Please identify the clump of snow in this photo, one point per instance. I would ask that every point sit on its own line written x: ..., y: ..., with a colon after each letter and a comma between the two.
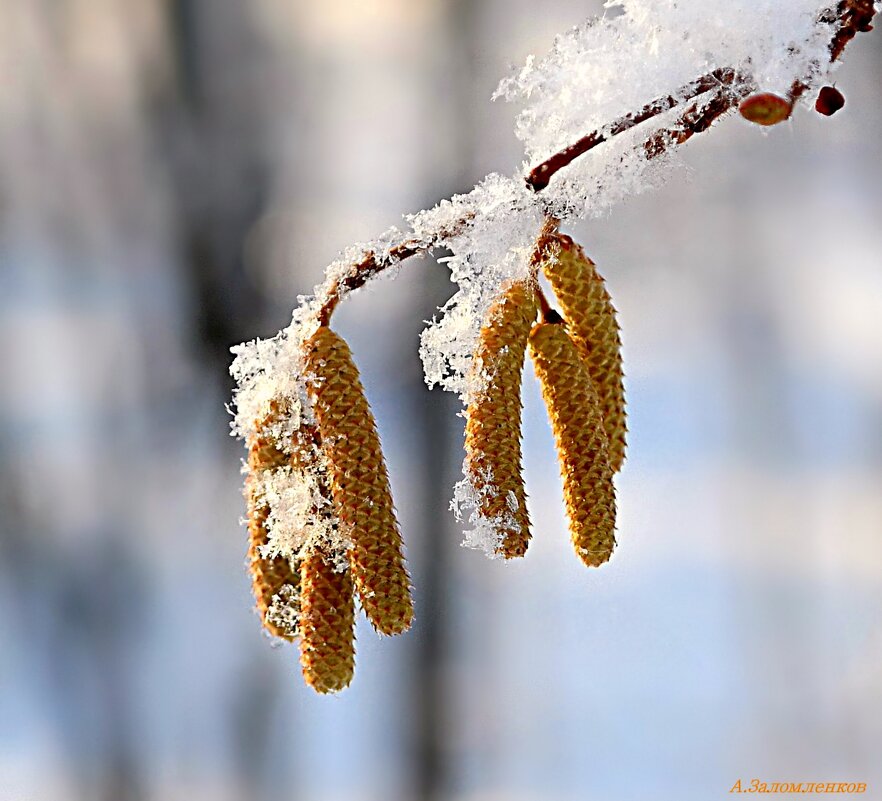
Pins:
x: 284, y: 611
x: 485, y: 533
x: 301, y: 515
x: 610, y: 67
x: 494, y: 247
x: 269, y: 373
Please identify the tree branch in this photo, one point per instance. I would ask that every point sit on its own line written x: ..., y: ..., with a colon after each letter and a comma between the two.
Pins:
x: 540, y: 176
x: 850, y: 18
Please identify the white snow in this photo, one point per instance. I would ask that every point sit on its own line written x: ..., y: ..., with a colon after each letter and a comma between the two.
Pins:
x: 486, y: 533
x: 490, y: 250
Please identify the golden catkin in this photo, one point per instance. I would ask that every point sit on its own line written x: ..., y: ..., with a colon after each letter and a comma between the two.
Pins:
x: 268, y: 576
x: 576, y: 420
x: 327, y: 621
x: 493, y: 418
x: 359, y: 482
x: 591, y: 322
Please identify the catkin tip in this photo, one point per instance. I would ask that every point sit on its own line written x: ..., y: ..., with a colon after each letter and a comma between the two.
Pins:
x: 327, y: 621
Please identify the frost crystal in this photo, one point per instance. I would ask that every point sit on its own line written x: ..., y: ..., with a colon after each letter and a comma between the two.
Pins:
x: 300, y: 516
x: 485, y: 533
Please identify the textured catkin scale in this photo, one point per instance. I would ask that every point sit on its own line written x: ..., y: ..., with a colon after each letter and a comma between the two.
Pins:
x: 359, y: 482
x: 577, y: 423
x: 327, y: 620
x: 268, y: 576
x: 493, y: 418
x: 591, y: 320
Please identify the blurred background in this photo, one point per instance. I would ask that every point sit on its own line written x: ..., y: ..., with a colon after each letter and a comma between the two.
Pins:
x: 173, y: 173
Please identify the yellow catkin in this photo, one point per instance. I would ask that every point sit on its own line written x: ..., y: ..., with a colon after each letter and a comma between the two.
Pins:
x: 576, y: 420
x: 269, y: 577
x: 327, y: 620
x: 493, y: 418
x: 359, y: 482
x: 591, y: 322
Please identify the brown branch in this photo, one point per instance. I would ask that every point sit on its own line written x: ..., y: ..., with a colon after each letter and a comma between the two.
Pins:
x: 850, y: 17
x: 853, y: 17
x: 695, y: 120
x: 372, y: 264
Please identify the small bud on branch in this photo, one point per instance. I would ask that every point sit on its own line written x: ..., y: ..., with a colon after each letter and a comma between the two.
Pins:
x: 830, y: 100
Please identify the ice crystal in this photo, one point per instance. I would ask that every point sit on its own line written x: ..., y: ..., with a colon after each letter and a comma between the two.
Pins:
x: 300, y: 515
x: 485, y: 533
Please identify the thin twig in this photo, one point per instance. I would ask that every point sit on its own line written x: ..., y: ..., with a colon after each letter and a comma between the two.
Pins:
x: 853, y: 17
x: 850, y: 17
x: 366, y: 269
x: 695, y: 120
x: 372, y: 264
x: 546, y: 310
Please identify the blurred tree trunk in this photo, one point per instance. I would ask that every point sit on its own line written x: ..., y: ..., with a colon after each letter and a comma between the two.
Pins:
x: 439, y: 449
x: 214, y: 137
x: 214, y: 140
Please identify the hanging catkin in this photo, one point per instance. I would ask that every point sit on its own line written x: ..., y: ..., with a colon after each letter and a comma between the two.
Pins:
x: 359, y: 482
x: 591, y: 322
x: 493, y: 418
x: 327, y: 620
x: 577, y: 423
x: 274, y: 578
